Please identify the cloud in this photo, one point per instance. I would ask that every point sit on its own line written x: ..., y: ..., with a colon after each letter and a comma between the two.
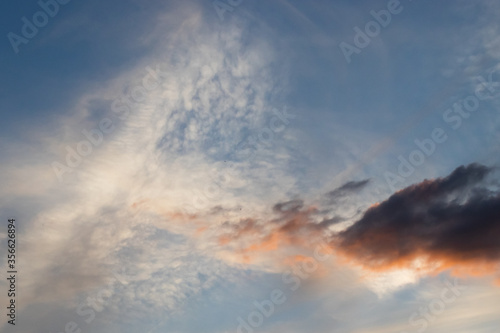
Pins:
x: 347, y: 189
x: 267, y: 242
x: 121, y: 205
x: 451, y: 222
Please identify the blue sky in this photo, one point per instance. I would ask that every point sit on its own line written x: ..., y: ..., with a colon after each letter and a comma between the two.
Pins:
x: 173, y: 165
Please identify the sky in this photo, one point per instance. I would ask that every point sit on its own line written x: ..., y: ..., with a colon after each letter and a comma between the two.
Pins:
x: 237, y: 166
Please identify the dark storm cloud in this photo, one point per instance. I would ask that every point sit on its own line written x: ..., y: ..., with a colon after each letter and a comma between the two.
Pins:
x: 451, y: 219
x: 448, y: 222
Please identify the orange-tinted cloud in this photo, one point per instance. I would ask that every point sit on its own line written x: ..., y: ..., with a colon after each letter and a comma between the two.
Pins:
x: 450, y: 223
x: 445, y: 224
x: 293, y: 227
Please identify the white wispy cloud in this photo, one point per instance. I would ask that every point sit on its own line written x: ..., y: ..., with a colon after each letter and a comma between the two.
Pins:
x: 120, y: 207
